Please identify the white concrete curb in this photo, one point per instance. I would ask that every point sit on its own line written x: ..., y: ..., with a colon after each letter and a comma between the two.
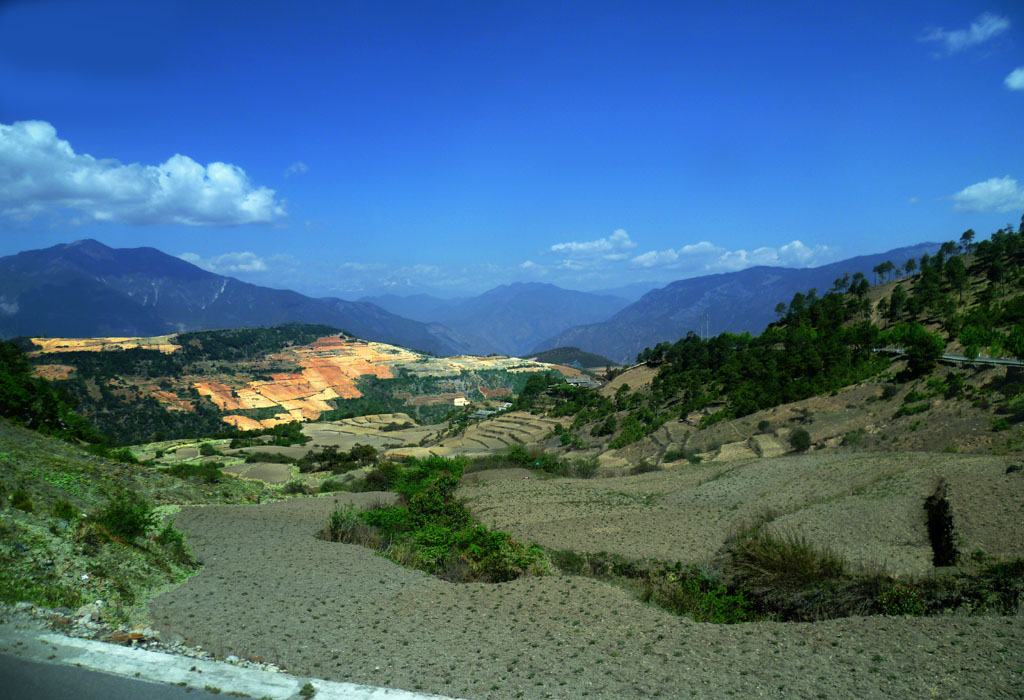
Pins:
x: 161, y: 667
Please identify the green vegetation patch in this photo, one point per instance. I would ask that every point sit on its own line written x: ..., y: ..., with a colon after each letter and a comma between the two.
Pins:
x: 432, y: 530
x: 522, y: 457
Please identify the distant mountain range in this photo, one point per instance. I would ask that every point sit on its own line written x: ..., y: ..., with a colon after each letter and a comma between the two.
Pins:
x: 510, y: 319
x: 85, y: 289
x: 733, y: 301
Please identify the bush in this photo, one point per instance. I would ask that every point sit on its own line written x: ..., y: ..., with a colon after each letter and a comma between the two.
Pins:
x: 911, y: 409
x: 63, y: 510
x: 120, y: 454
x: 174, y: 540
x: 800, y: 440
x: 1000, y: 424
x: 269, y: 457
x: 854, y: 437
x: 126, y: 516
x: 22, y: 501
x: 296, y: 487
x: 208, y: 450
x: 333, y: 485
x: 763, y: 426
x: 697, y: 594
x: 585, y: 468
x: 434, y: 531
x: 889, y: 391
x: 644, y: 467
x: 207, y: 472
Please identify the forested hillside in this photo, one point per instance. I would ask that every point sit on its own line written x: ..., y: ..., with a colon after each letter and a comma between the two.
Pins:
x: 967, y: 295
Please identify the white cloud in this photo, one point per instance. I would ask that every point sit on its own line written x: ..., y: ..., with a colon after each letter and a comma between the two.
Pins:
x: 914, y: 200
x: 527, y: 265
x: 705, y: 257
x: 296, y: 168
x: 228, y: 263
x: 985, y: 27
x: 656, y: 258
x: 41, y: 173
x: 1000, y: 194
x: 362, y: 267
x: 1015, y: 80
x: 613, y: 247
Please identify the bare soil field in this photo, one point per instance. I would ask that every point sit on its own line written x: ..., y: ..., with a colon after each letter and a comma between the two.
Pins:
x: 866, y: 506
x: 270, y: 588
x: 498, y: 433
x: 273, y: 474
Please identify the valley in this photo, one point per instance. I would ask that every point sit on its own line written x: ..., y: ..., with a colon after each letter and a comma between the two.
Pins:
x: 792, y: 514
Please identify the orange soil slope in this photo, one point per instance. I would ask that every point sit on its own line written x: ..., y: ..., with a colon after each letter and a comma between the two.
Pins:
x: 163, y: 343
x: 329, y: 368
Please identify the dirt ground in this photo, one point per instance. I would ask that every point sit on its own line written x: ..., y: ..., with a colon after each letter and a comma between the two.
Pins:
x: 269, y: 588
x: 866, y: 506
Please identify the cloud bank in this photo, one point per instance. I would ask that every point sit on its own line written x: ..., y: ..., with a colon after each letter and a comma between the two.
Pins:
x: 1000, y: 194
x: 1015, y: 80
x: 705, y: 257
x: 613, y: 247
x: 228, y: 263
x: 986, y: 26
x: 40, y: 174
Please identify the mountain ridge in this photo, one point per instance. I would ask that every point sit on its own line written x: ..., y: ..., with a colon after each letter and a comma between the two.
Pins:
x: 736, y: 302
x: 86, y: 288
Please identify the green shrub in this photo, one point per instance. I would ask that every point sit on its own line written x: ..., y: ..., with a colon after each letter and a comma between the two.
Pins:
x: 382, y: 477
x: 269, y: 457
x: 911, y: 409
x: 912, y: 396
x: 632, y: 431
x: 901, y: 599
x: 800, y: 440
x: 854, y: 437
x: 697, y: 594
x: 607, y: 427
x: 174, y: 540
x: 208, y: 450
x: 21, y: 500
x: 296, y: 487
x: 694, y: 458
x: 208, y: 472
x: 584, y: 468
x: 789, y: 558
x: 644, y: 467
x: 126, y: 516
x: 1000, y: 424
x: 434, y: 531
x: 889, y: 391
x: 63, y: 510
x: 673, y: 455
x: 333, y: 485
x: 120, y: 454
x: 763, y: 426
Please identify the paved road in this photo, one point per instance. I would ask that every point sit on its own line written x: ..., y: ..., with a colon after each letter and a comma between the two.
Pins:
x: 25, y: 679
x: 37, y: 664
x: 962, y: 359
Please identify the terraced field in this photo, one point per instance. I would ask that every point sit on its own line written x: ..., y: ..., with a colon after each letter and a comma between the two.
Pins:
x: 868, y: 507
x: 341, y: 612
x: 498, y: 433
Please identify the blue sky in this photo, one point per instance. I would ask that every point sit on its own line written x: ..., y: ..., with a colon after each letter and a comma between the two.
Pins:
x: 346, y: 148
